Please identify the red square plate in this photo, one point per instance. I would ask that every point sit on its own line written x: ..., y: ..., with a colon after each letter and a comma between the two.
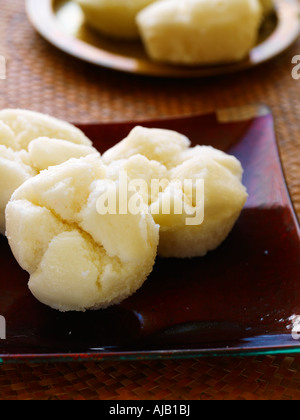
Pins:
x: 241, y: 299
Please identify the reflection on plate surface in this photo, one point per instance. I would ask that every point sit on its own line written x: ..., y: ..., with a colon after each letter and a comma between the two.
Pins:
x: 240, y: 299
x: 61, y: 22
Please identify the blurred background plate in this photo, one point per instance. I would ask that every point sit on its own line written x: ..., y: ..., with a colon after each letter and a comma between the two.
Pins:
x: 62, y: 24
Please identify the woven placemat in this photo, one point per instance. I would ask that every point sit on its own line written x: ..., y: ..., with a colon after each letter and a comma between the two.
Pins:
x: 41, y: 78
x: 254, y: 378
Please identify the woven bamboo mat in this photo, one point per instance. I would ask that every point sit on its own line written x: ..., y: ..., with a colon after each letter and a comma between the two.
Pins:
x: 41, y: 78
x: 259, y: 378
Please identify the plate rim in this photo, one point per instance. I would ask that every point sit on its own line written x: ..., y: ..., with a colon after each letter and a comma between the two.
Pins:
x: 132, y: 355
x: 146, y: 355
x: 43, y: 19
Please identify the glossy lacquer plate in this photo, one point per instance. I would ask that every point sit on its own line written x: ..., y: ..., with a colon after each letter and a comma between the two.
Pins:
x: 241, y: 299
